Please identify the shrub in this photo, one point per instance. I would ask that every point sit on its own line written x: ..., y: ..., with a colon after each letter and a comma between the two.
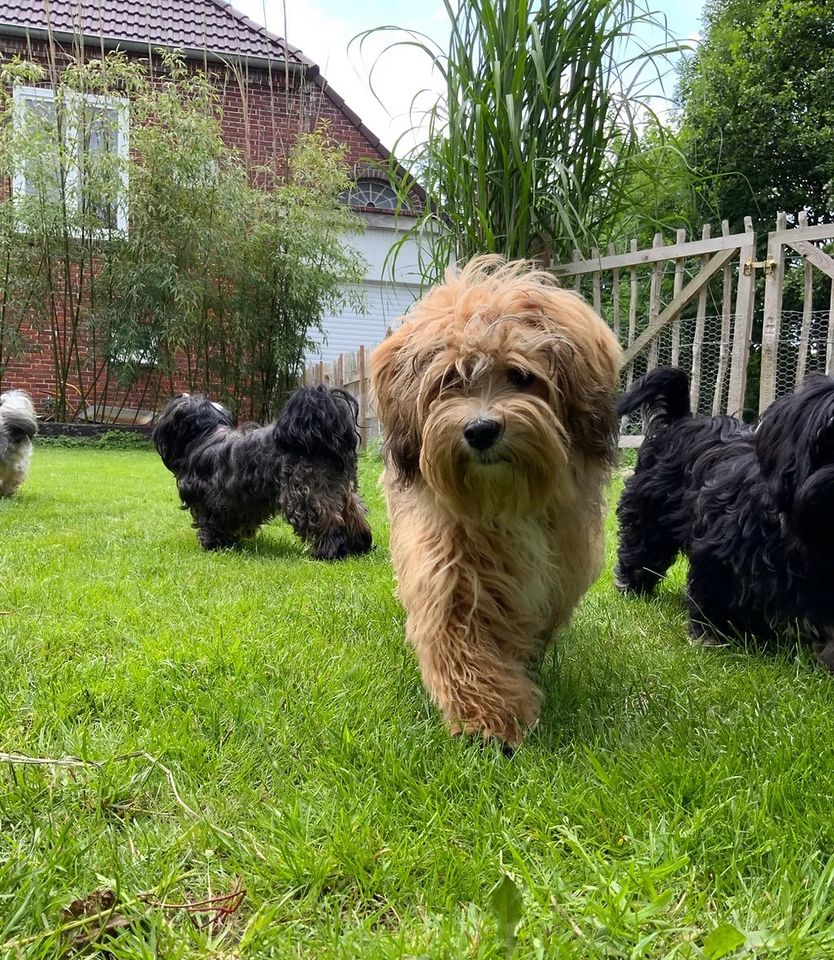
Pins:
x: 203, y: 269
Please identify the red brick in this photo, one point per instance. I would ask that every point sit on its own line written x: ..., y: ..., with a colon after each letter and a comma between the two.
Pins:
x: 257, y: 122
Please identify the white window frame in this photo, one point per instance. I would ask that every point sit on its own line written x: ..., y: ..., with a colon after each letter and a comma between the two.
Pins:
x: 20, y: 95
x: 370, y: 184
x: 72, y: 134
x: 122, y: 108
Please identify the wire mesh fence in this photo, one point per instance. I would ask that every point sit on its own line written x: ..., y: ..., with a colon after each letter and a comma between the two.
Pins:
x: 803, y: 348
x: 701, y: 328
x: 706, y: 360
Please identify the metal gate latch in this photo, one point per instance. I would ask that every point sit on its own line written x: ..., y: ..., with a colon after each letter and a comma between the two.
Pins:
x: 768, y: 266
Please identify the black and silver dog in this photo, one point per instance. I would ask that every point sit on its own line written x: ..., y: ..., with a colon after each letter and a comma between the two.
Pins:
x: 18, y: 425
x: 753, y: 510
x: 303, y: 466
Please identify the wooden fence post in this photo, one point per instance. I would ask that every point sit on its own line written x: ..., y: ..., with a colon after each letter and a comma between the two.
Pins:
x: 774, y: 278
x: 807, y: 313
x: 632, y: 312
x: 724, y: 342
x: 597, y: 281
x: 363, y: 400
x: 654, y: 301
x: 742, y: 327
x: 680, y: 237
x: 577, y: 280
x: 615, y: 294
x: 698, y: 338
x: 829, y: 349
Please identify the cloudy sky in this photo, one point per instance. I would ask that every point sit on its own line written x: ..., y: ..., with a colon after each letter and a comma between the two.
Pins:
x: 381, y: 87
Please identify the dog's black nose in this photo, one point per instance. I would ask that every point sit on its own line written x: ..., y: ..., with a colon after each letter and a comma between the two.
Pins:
x: 481, y: 434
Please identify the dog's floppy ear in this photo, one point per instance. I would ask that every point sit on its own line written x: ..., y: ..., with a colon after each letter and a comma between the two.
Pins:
x: 585, y: 358
x: 393, y: 384
x: 319, y: 422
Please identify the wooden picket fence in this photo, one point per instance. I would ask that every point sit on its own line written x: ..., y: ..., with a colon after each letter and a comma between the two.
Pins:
x: 690, y: 303
x: 796, y: 344
x: 350, y: 372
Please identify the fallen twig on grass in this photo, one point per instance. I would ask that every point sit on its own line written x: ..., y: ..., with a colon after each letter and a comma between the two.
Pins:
x: 85, y: 921
x: 23, y: 759
x: 89, y: 920
x: 218, y: 908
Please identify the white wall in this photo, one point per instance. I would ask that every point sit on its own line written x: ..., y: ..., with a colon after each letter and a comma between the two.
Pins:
x: 387, y: 298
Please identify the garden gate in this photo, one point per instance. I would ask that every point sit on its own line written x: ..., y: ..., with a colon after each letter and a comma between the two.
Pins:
x: 692, y: 303
x: 689, y: 304
x: 796, y: 343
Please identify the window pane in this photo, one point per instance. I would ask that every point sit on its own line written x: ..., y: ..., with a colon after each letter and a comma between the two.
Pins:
x: 102, y: 130
x: 98, y: 162
x: 371, y: 194
x: 39, y: 131
x: 73, y: 153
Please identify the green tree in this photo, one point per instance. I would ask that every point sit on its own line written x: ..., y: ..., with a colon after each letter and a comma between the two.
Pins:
x: 60, y: 224
x: 660, y: 189
x: 757, y: 108
x: 296, y: 265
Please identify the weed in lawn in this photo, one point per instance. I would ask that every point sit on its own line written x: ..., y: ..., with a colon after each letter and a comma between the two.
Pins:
x: 672, y: 802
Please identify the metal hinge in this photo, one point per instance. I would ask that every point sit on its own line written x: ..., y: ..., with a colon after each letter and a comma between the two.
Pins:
x: 768, y: 266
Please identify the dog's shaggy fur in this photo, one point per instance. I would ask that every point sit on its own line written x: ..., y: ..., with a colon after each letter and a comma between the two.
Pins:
x: 303, y: 466
x: 496, y: 399
x: 18, y: 426
x: 753, y: 510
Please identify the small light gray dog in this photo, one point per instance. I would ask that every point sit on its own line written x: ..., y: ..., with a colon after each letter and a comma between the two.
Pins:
x: 17, y: 427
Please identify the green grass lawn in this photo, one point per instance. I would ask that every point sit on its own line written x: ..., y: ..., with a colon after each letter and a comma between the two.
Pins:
x: 673, y: 802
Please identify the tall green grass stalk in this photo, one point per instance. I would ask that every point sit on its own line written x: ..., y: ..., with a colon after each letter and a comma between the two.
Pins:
x: 525, y: 150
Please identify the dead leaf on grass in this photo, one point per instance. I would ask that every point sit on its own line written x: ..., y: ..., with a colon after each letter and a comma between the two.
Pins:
x: 90, y: 919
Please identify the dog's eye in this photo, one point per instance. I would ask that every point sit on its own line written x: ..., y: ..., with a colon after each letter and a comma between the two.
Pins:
x: 451, y: 381
x: 522, y: 379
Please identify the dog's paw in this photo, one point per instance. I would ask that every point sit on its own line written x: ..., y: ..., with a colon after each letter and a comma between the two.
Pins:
x: 507, y: 728
x: 211, y: 542
x: 635, y: 585
x: 361, y: 541
x: 700, y: 635
x: 824, y: 654
x: 618, y: 581
x: 508, y: 733
x: 333, y: 545
x: 508, y: 743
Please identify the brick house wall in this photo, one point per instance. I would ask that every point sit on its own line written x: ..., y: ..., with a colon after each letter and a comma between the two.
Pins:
x: 264, y: 110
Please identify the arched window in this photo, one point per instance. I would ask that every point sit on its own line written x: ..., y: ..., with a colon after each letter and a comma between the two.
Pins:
x: 370, y: 194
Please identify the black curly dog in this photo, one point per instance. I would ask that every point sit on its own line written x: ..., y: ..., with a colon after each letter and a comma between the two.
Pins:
x: 302, y: 466
x: 753, y: 510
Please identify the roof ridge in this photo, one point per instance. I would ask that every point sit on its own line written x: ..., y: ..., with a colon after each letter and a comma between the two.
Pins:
x: 262, y: 30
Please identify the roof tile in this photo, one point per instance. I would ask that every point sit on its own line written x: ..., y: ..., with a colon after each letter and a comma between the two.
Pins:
x: 211, y: 25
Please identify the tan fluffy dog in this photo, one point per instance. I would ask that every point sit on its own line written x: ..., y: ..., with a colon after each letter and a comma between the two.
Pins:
x: 496, y: 400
